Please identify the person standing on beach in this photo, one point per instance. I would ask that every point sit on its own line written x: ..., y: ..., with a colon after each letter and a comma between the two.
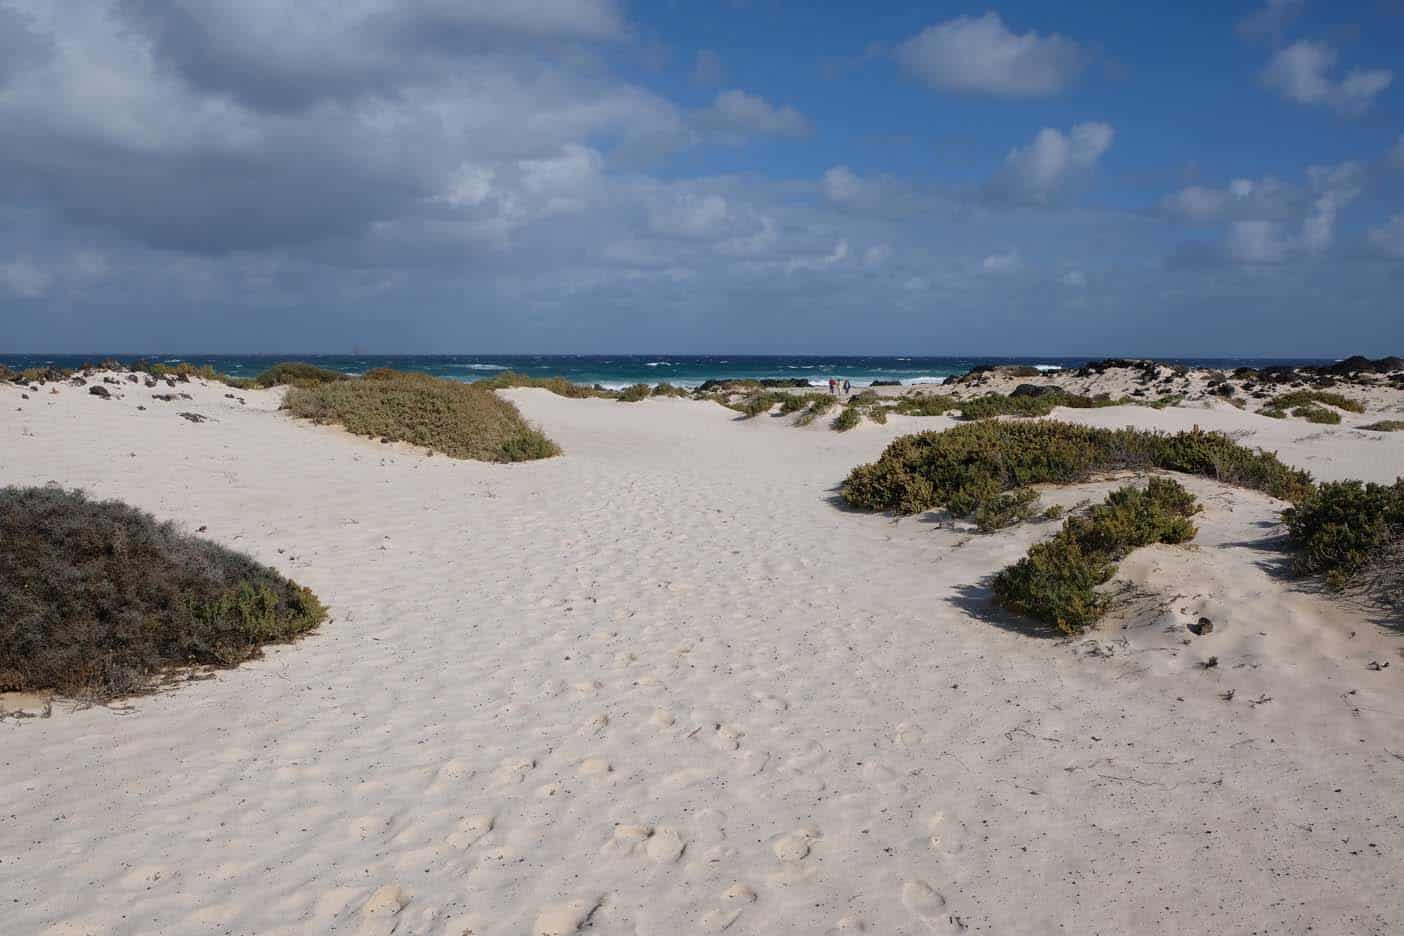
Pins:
x: 847, y: 387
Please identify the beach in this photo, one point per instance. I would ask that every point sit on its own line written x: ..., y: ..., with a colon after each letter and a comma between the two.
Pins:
x: 667, y: 682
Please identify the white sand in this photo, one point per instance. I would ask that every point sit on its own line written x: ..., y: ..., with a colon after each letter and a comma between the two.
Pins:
x: 663, y: 685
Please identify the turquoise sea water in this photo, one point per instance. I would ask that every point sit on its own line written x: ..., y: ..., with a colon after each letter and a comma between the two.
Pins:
x: 622, y: 370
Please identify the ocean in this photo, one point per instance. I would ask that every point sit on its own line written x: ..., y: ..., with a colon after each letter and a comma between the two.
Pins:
x: 620, y: 370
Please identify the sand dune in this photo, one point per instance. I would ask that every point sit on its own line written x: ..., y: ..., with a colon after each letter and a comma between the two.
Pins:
x: 665, y: 684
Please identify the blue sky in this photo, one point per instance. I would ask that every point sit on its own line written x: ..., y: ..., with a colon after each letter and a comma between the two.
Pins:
x: 764, y: 176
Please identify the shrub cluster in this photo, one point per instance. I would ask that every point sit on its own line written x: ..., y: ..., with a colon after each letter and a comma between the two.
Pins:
x: 1386, y: 425
x: 1057, y: 581
x: 848, y: 419
x: 98, y: 599
x: 1304, y: 398
x: 1318, y: 414
x: 296, y: 373
x: 1006, y: 509
x: 634, y: 393
x: 557, y: 385
x: 961, y: 468
x: 462, y: 420
x: 1344, y: 529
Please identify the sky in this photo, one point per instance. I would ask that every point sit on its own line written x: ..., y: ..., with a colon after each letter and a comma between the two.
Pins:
x: 702, y: 176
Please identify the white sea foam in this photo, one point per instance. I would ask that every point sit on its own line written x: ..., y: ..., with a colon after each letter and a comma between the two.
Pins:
x: 1047, y: 367
x: 481, y: 367
x: 924, y: 380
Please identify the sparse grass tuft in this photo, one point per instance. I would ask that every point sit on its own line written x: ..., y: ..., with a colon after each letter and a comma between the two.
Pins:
x: 1386, y: 425
x: 99, y: 600
x: 1057, y: 581
x: 557, y: 385
x: 462, y: 420
x: 1304, y: 398
x: 819, y: 404
x: 925, y: 404
x: 848, y: 419
x: 668, y: 390
x: 962, y: 467
x: 1318, y: 414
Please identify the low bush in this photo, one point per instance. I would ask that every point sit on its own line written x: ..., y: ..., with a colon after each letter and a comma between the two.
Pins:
x: 462, y: 420
x: 1344, y: 528
x: 925, y: 404
x: 1386, y: 425
x: 557, y: 385
x: 960, y: 468
x: 819, y: 404
x: 99, y: 600
x: 1057, y: 581
x: 1318, y: 414
x: 1302, y: 398
x: 1273, y: 412
x: 668, y: 390
x: 848, y: 419
x: 878, y: 414
x: 296, y: 373
x: 992, y: 405
x: 1006, y: 509
x: 635, y: 393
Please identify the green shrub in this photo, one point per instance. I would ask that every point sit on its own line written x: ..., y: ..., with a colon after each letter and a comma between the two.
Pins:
x: 668, y: 390
x: 1342, y: 527
x: 1386, y: 425
x: 98, y: 599
x: 992, y: 405
x: 1318, y: 414
x: 557, y: 385
x: 925, y: 404
x: 1006, y: 509
x: 878, y: 414
x: 960, y: 468
x: 1056, y: 582
x: 462, y: 420
x: 1273, y: 412
x: 848, y: 419
x: 762, y: 401
x: 819, y: 404
x: 1303, y: 398
x: 296, y: 373
x: 635, y: 393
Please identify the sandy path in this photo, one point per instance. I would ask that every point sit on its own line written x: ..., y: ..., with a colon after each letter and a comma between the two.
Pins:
x: 663, y: 685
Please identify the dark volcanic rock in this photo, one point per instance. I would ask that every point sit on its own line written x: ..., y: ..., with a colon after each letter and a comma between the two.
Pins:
x: 1033, y: 390
x: 100, y: 392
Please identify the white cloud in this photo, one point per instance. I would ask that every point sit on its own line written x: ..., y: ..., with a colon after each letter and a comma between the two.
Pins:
x: 1075, y: 278
x: 1388, y: 238
x: 1301, y: 73
x: 999, y: 264
x: 688, y: 214
x: 21, y: 278
x: 1038, y: 173
x: 842, y: 185
x: 835, y: 256
x: 1336, y: 187
x: 1257, y: 242
x: 735, y: 114
x: 981, y: 55
x: 1243, y: 199
x: 876, y: 255
x: 708, y: 70
x: 1270, y: 21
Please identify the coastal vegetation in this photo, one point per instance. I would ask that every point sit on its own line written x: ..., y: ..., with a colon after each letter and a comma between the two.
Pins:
x: 1348, y: 532
x: 461, y: 420
x: 1057, y: 581
x: 848, y: 419
x: 961, y: 468
x: 1386, y: 425
x: 100, y: 600
x: 296, y: 373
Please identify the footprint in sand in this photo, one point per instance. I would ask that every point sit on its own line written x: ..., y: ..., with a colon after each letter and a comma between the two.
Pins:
x: 710, y: 825
x: 846, y: 924
x: 947, y: 834
x: 595, y: 767
x: 665, y: 846
x: 663, y: 719
x: 595, y: 726
x: 564, y: 919
x: 750, y: 763
x: 378, y: 914
x: 796, y: 846
x: 627, y: 841
x: 807, y: 757
x: 733, y: 901
x: 513, y: 770
x: 726, y: 738
x: 470, y: 831
x: 772, y: 702
x: 909, y: 735
x: 929, y: 906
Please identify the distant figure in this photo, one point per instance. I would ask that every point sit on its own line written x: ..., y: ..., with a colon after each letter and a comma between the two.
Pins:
x: 832, y: 389
x: 847, y: 388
